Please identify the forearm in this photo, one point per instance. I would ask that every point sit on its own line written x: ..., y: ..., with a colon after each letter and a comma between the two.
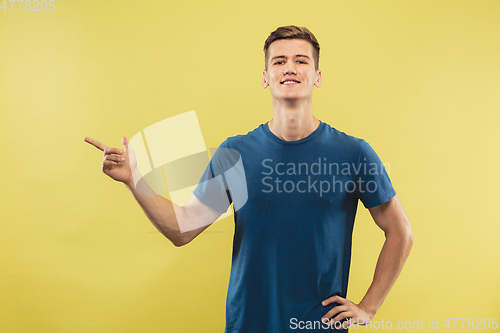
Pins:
x: 390, y: 262
x: 162, y: 213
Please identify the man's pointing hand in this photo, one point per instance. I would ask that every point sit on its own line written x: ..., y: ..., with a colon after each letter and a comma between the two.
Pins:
x: 115, y: 161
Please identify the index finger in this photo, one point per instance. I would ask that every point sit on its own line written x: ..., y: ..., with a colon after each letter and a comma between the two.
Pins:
x: 95, y: 143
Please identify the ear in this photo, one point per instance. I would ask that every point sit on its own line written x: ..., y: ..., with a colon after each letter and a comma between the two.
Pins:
x: 264, y: 80
x: 318, y: 79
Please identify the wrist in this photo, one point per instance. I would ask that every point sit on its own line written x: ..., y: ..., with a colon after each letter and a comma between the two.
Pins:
x: 370, y: 309
x: 129, y: 184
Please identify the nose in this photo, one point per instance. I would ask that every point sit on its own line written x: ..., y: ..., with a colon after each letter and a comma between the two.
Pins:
x: 289, y: 68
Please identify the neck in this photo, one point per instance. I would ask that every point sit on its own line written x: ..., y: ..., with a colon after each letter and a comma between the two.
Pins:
x: 292, y: 121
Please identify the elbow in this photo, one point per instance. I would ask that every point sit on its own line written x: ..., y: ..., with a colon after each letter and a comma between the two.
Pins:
x: 406, y: 235
x: 409, y: 239
x: 403, y: 237
x: 178, y: 244
x: 181, y: 241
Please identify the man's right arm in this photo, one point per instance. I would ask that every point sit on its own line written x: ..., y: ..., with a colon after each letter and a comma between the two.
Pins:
x: 168, y: 217
x: 180, y: 224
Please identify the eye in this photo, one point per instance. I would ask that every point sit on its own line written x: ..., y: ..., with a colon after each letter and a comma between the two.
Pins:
x: 278, y: 62
x: 301, y: 62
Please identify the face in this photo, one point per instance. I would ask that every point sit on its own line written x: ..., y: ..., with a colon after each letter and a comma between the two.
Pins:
x: 290, y: 73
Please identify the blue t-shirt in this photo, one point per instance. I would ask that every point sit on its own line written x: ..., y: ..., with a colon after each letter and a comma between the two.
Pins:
x: 295, y: 204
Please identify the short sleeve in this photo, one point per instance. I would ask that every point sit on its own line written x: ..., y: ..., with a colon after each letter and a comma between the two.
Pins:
x: 223, y: 181
x: 373, y: 185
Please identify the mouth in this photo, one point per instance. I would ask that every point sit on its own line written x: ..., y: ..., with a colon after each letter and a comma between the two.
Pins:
x: 288, y: 82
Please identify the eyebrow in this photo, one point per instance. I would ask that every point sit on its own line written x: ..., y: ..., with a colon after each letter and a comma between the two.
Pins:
x: 297, y: 55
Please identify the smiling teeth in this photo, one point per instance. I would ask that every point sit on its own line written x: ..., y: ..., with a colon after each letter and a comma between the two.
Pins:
x: 288, y: 82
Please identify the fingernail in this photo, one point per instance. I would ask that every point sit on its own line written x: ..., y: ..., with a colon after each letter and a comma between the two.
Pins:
x: 121, y: 151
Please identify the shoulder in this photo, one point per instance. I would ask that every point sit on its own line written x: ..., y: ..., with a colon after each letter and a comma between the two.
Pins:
x: 251, y: 138
x: 343, y: 139
x: 356, y: 146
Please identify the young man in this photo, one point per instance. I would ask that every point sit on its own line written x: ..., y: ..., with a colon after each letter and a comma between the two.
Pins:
x: 293, y: 230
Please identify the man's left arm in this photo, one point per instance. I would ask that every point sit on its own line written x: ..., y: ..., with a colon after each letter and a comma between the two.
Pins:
x: 392, y: 219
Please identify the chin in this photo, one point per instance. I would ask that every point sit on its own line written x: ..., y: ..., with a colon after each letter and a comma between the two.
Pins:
x: 292, y: 97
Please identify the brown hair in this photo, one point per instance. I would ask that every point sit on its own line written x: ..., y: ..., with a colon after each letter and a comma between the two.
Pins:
x: 293, y: 32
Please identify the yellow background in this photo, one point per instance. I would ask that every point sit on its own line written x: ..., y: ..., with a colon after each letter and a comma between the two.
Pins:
x: 418, y: 80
